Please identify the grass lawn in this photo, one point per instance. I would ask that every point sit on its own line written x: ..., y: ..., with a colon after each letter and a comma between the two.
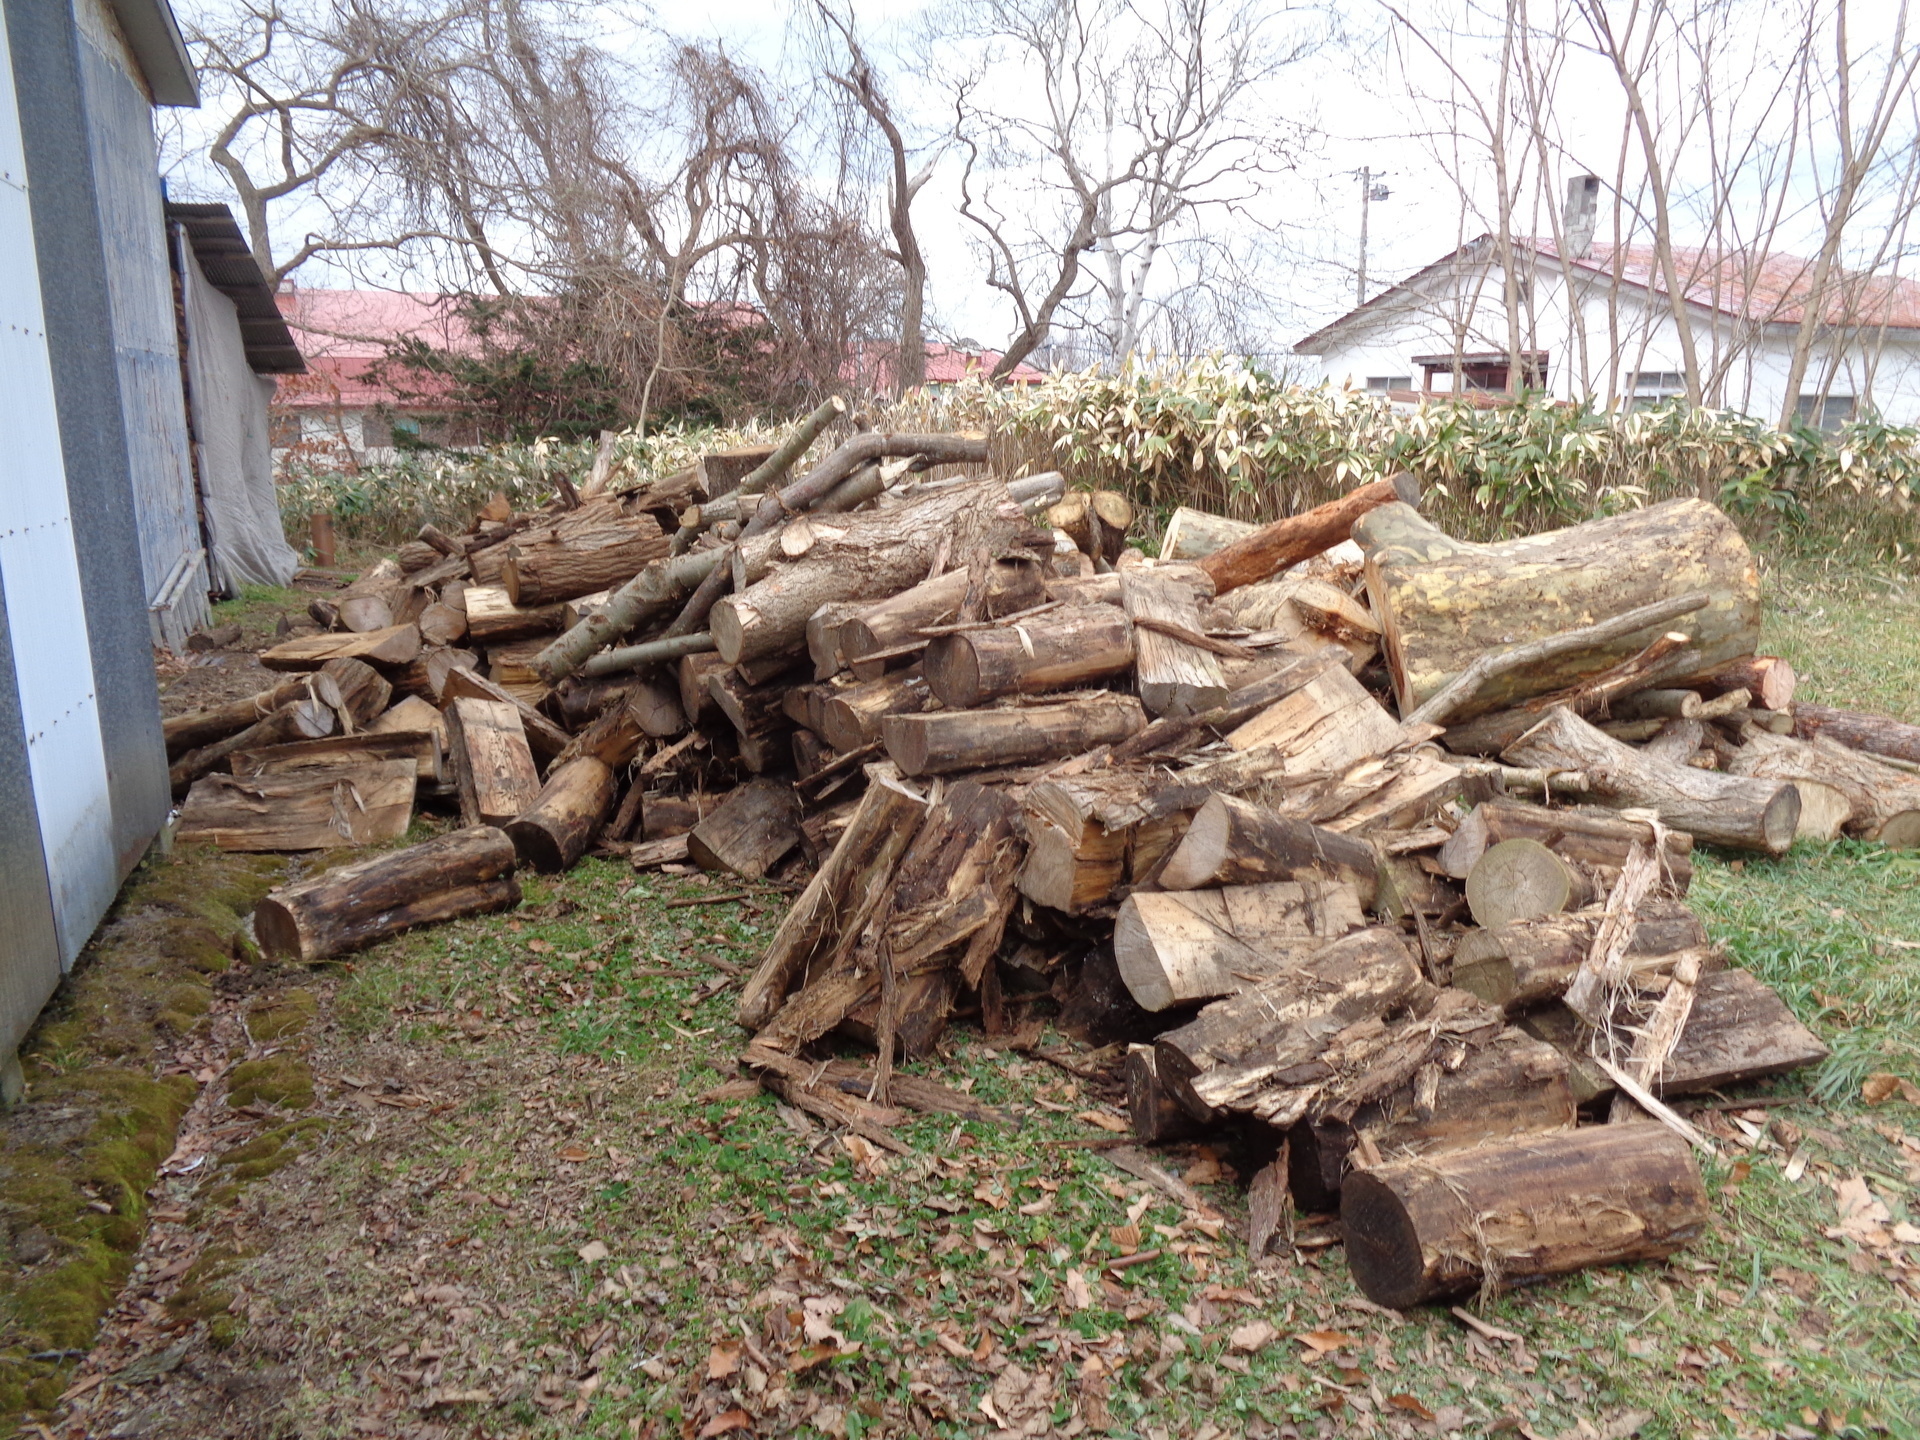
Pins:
x: 537, y: 1208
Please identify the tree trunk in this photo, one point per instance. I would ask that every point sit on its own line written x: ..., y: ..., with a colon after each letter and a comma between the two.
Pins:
x: 1443, y: 602
x: 1053, y: 651
x: 578, y: 559
x: 1884, y: 803
x: 1194, y: 534
x: 749, y: 831
x: 555, y: 831
x: 1516, y: 1085
x: 304, y: 718
x: 1235, y: 842
x: 396, y: 645
x: 1523, y: 880
x: 1285, y: 543
x: 1175, y: 947
x: 492, y: 766
x: 493, y: 618
x: 1173, y: 677
x: 1531, y: 962
x: 545, y: 738
x: 851, y: 716
x: 950, y: 740
x: 1875, y: 734
x: 202, y: 727
x: 1223, y: 1058
x: 1596, y: 840
x: 1506, y: 1213
x: 312, y: 808
x: 1720, y: 809
x: 465, y: 873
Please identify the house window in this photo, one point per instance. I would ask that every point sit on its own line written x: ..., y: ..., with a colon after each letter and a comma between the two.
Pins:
x: 1381, y: 384
x: 1650, y: 387
x: 1827, y: 413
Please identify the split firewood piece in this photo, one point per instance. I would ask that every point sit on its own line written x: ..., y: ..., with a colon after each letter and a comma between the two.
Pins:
x: 1883, y: 803
x: 1285, y: 543
x: 1513, y: 1085
x: 1598, y: 840
x: 1595, y: 985
x: 492, y: 767
x: 357, y: 692
x: 813, y: 930
x: 953, y: 882
x: 1173, y: 675
x: 1056, y: 650
x: 425, y: 676
x: 555, y: 831
x: 414, y: 716
x: 915, y: 1092
x: 825, y: 627
x: 511, y: 667
x: 922, y: 1006
x: 863, y: 556
x: 1235, y: 842
x: 466, y: 873
x: 950, y: 740
x: 1768, y: 679
x: 203, y: 727
x: 1096, y: 521
x: 1491, y: 733
x: 1401, y: 791
x: 1326, y: 726
x: 749, y: 831
x: 1746, y: 814
x: 1522, y: 880
x: 336, y: 751
x: 493, y: 618
x: 1175, y: 947
x: 1223, y: 1058
x: 396, y: 645
x: 578, y: 557
x: 1009, y: 585
x: 1156, y: 1116
x: 370, y: 603
x: 1653, y: 1046
x: 851, y: 716
x: 442, y: 625
x: 613, y: 738
x: 310, y: 808
x: 752, y: 709
x: 1086, y: 834
x: 1874, y: 734
x: 302, y: 718
x: 1177, y: 733
x: 1444, y: 603
x: 1511, y: 1211
x: 545, y: 738
x: 1530, y: 962
x: 1191, y: 534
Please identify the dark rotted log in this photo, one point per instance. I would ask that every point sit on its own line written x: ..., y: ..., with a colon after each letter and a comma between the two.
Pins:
x: 557, y: 828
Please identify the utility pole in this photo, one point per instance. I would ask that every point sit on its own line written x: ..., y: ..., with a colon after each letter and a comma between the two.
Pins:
x: 1369, y: 192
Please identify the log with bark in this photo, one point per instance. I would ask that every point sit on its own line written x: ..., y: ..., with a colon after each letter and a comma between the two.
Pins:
x: 1883, y: 803
x: 1096, y: 521
x: 1285, y: 543
x: 1874, y: 734
x: 426, y: 675
x: 1522, y: 879
x: 950, y: 740
x: 1235, y: 842
x: 1157, y: 1117
x: 302, y: 718
x: 493, y: 618
x: 1086, y: 834
x: 468, y: 872
x: 1767, y: 679
x: 851, y: 716
x: 657, y: 589
x: 1173, y: 675
x: 493, y: 768
x: 1512, y: 1211
x: 1443, y: 603
x: 307, y: 808
x: 1531, y: 962
x: 1491, y: 733
x: 1176, y: 947
x: 1192, y: 534
x: 1057, y: 650
x: 1745, y: 814
x: 1598, y: 840
x: 1010, y: 584
x: 556, y: 829
x: 578, y: 558
x: 203, y: 727
x: 749, y: 831
x: 396, y: 645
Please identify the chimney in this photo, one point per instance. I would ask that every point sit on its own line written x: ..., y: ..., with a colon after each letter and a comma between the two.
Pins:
x: 1583, y: 209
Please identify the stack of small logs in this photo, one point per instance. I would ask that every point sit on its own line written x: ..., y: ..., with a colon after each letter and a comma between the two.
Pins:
x: 1374, y: 843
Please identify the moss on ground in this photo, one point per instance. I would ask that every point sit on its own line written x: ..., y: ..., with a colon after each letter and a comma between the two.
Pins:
x: 280, y: 1016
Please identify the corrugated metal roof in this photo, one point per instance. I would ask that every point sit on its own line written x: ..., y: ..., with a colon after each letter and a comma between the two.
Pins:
x: 227, y: 262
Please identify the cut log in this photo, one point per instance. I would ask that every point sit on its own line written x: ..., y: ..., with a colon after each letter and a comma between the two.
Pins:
x: 1595, y: 839
x: 1285, y: 543
x: 555, y: 831
x: 414, y: 716
x: 749, y: 831
x: 468, y: 872
x: 1235, y: 842
x: 545, y: 738
x: 1176, y: 947
x: 1011, y: 584
x: 1172, y: 676
x: 355, y: 690
x: 493, y: 618
x: 1224, y: 1057
x: 1491, y: 733
x: 1176, y: 734
x: 492, y: 767
x: 1516, y: 1085
x: 203, y: 727
x: 1883, y: 803
x: 851, y: 716
x: 311, y: 808
x: 1401, y: 791
x: 1055, y: 651
x: 824, y: 644
x: 1191, y: 534
x: 1083, y: 832
x: 751, y: 709
x: 425, y: 676
x: 863, y: 556
x: 1096, y: 521
x: 349, y: 751
x: 579, y: 558
x: 1523, y: 880
x: 814, y: 930
x: 1531, y: 962
x: 1768, y: 679
x: 1444, y: 603
x: 657, y: 589
x: 442, y: 625
x: 1156, y: 1116
x: 1324, y: 727
x: 922, y: 1007
x: 1746, y: 814
x: 951, y: 740
x: 396, y: 645
x: 691, y: 671
x: 1875, y: 734
x: 1509, y: 1212
x: 303, y: 718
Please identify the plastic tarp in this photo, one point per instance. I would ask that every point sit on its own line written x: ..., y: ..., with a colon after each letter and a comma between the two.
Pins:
x: 245, y: 542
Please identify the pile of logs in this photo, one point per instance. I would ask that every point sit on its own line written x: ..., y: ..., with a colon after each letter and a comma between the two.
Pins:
x: 1373, y: 843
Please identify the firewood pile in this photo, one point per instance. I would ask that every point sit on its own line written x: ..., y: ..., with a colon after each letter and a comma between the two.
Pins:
x: 1373, y: 843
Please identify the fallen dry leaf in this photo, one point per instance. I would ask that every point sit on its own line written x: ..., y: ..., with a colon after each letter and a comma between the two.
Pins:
x: 1863, y: 1215
x: 1411, y: 1406
x: 723, y: 1359
x: 543, y: 947
x: 809, y: 1356
x: 1880, y: 1088
x: 1326, y: 1341
x: 725, y: 1423
x: 1079, y: 1293
x: 593, y: 1252
x: 1111, y: 1123
x: 459, y: 1397
x: 574, y: 1154
x: 1252, y: 1337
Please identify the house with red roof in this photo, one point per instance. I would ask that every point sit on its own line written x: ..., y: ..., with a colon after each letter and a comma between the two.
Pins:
x: 871, y: 367
x: 1596, y: 322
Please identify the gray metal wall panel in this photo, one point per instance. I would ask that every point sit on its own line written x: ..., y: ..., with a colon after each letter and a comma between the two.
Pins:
x: 146, y: 342
x: 93, y: 441
x: 30, y: 953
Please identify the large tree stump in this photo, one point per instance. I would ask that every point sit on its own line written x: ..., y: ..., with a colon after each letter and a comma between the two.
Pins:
x: 1530, y: 962
x: 950, y: 740
x: 1175, y: 947
x: 1235, y: 842
x: 1055, y: 651
x: 1507, y: 1213
x: 1746, y: 814
x: 1444, y: 603
x: 465, y: 873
